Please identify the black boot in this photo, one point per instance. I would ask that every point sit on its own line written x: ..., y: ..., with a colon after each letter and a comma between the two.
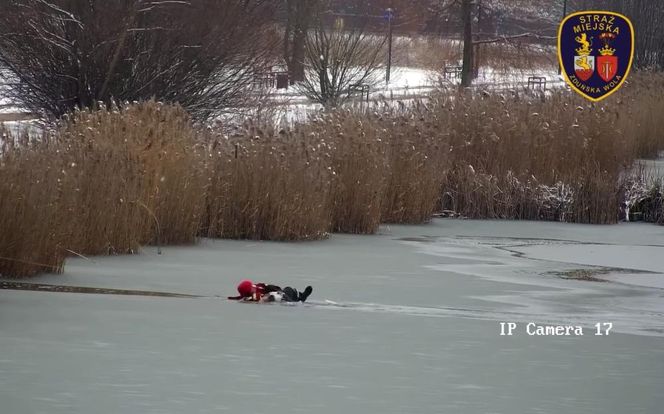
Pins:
x: 304, y: 295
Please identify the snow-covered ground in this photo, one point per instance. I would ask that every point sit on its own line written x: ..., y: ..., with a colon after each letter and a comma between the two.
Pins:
x: 6, y: 105
x: 409, y: 81
x: 652, y: 168
x: 407, y: 84
x: 10, y: 112
x: 406, y: 321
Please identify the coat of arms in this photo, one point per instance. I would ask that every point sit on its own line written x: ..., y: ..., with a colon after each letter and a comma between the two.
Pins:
x: 595, y: 49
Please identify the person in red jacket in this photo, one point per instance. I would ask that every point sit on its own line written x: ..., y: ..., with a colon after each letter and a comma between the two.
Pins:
x: 262, y: 292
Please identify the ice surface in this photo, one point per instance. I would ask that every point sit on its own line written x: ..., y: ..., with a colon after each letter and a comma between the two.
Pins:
x: 406, y: 321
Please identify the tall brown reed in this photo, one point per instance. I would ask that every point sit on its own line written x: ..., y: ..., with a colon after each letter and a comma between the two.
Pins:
x: 31, y: 198
x: 104, y: 181
x: 416, y: 154
x: 640, y: 109
x: 267, y: 185
x: 498, y: 138
x: 110, y: 180
x: 360, y: 170
x: 139, y: 174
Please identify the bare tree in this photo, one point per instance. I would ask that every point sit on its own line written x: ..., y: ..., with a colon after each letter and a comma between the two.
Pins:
x: 539, y: 20
x: 531, y: 25
x: 63, y: 54
x: 647, y: 17
x: 337, y: 60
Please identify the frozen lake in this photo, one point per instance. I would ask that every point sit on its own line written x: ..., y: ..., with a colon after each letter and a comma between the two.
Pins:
x: 407, y: 321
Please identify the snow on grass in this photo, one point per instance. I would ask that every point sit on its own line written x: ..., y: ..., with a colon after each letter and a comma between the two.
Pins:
x: 408, y: 84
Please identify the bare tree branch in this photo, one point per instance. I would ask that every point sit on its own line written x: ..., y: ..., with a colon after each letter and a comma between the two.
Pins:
x: 203, y: 54
x: 513, y: 37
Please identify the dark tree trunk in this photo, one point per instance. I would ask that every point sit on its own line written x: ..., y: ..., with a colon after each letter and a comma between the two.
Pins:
x: 299, y: 15
x: 476, y: 58
x: 467, y: 68
x: 288, y: 32
x: 296, y: 67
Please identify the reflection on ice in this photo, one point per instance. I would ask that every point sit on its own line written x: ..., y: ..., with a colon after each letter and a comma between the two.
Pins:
x: 634, y: 301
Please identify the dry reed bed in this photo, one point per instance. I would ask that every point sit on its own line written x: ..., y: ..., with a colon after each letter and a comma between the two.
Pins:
x: 32, y: 225
x: 359, y: 165
x: 499, y: 143
x: 418, y: 151
x: 139, y: 176
x: 108, y: 181
x: 265, y: 185
x: 521, y: 157
x: 102, y: 182
x: 640, y: 109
